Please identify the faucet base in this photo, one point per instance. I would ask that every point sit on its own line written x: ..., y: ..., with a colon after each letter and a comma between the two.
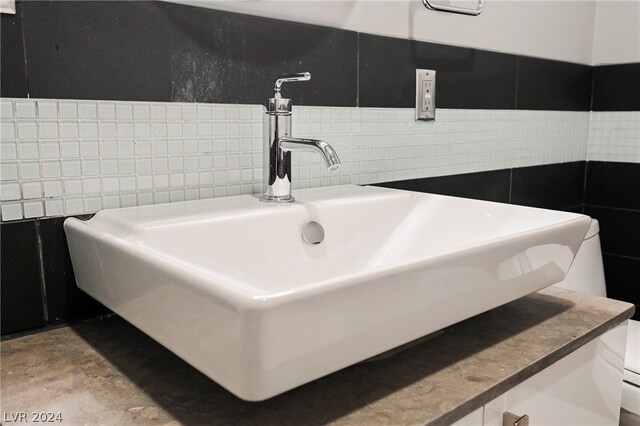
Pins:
x: 275, y: 199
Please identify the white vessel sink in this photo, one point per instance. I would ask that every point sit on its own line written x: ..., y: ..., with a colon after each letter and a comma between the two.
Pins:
x: 231, y: 287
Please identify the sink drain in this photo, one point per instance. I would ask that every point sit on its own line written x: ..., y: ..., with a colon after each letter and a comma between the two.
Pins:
x: 313, y: 233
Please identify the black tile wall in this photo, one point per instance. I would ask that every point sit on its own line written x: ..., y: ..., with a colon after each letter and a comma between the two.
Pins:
x: 38, y: 284
x: 612, y: 195
x: 622, y: 275
x: 612, y: 190
x: 613, y: 184
x: 553, y: 85
x: 21, y: 292
x: 270, y: 48
x: 13, y: 74
x: 466, y: 78
x: 158, y: 51
x: 551, y: 186
x: 578, y: 208
x: 616, y: 87
x: 619, y: 230
x: 490, y: 186
x: 104, y: 50
x: 556, y: 186
x: 65, y: 301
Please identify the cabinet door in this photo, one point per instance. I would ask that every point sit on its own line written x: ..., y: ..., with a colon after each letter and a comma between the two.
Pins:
x: 472, y: 419
x: 583, y: 388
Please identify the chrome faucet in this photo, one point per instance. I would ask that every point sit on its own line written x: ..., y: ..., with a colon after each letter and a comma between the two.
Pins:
x: 279, y: 144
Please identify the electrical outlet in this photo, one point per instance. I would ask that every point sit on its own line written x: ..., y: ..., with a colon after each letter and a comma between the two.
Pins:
x: 425, y: 94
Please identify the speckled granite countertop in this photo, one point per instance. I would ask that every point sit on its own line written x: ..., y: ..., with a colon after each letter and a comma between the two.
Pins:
x: 106, y: 372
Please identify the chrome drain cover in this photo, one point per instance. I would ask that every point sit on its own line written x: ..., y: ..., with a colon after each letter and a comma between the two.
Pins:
x: 313, y: 233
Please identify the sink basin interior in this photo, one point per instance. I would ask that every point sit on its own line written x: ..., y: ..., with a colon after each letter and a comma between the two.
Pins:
x: 370, y: 232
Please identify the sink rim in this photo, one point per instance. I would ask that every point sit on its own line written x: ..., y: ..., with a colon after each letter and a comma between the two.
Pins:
x: 222, y: 286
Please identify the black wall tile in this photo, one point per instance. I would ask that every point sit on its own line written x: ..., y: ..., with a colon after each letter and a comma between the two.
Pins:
x: 551, y: 186
x: 574, y: 209
x: 613, y: 184
x: 21, y: 305
x: 491, y: 186
x: 466, y: 78
x: 269, y: 48
x: 622, y: 275
x: 160, y: 51
x: 619, y: 230
x: 616, y: 87
x: 65, y: 301
x: 553, y: 85
x: 99, y: 50
x: 13, y: 80
x: 615, y: 188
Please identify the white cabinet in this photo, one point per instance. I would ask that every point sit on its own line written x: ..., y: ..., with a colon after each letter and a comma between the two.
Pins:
x: 471, y: 419
x: 583, y: 388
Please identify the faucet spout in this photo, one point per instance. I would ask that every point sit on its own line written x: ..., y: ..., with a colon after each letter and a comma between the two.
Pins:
x: 321, y: 147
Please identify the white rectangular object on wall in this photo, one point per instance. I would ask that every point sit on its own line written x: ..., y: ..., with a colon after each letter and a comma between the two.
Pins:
x: 425, y: 94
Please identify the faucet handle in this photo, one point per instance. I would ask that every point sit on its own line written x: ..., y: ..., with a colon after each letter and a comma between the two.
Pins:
x: 286, y: 78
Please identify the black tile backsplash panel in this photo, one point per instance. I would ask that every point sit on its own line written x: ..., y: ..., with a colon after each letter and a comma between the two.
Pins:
x: 619, y: 230
x: 622, y: 275
x: 613, y: 184
x: 544, y: 84
x: 113, y: 50
x: 551, y: 186
x: 579, y: 208
x: 490, y: 186
x: 65, y: 301
x: 268, y: 48
x: 612, y: 195
x: 616, y: 87
x: 466, y: 78
x: 157, y: 51
x: 13, y: 80
x: 21, y: 291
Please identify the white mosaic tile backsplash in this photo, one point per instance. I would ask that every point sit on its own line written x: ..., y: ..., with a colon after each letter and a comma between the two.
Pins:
x: 64, y: 157
x: 614, y: 136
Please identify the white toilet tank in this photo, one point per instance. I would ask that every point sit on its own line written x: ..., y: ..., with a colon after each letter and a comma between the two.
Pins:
x: 586, y: 274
